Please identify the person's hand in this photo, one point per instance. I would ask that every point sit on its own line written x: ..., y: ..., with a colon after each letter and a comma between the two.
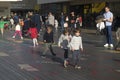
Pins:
x: 82, y: 49
x: 61, y: 46
x: 72, y: 49
x: 105, y: 19
x: 117, y: 38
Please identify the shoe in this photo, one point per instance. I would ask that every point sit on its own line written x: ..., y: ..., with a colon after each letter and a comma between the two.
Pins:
x: 13, y: 37
x: 54, y: 54
x: 37, y: 44
x: 111, y: 45
x: 43, y: 56
x: 22, y: 38
x: 77, y: 67
x: 106, y: 45
x: 65, y: 63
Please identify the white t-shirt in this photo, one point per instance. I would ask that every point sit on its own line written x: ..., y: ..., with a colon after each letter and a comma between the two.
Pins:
x: 76, y: 43
x: 17, y: 27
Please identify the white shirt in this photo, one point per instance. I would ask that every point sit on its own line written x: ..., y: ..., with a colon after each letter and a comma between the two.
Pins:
x: 76, y: 43
x: 11, y: 21
x: 17, y: 27
x: 100, y: 25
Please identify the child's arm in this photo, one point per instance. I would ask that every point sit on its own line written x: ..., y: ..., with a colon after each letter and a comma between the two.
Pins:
x: 60, y: 41
x: 71, y: 44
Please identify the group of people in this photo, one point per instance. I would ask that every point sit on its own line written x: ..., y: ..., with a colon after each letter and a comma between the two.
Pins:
x: 67, y: 41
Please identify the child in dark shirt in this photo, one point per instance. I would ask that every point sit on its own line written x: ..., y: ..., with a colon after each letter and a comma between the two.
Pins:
x: 48, y: 40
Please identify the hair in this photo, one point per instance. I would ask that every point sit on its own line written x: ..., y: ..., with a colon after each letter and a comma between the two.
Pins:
x: 65, y: 31
x: 49, y: 27
x: 33, y: 25
x: 107, y: 7
x: 77, y: 30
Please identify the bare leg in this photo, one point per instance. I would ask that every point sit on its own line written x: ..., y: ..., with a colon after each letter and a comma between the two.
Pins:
x: 2, y: 30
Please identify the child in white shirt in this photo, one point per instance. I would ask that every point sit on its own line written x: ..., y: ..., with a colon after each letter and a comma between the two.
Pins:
x: 76, y: 46
x: 64, y: 43
x: 18, y: 31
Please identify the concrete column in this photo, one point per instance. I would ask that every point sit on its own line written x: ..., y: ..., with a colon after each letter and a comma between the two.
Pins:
x: 4, y: 8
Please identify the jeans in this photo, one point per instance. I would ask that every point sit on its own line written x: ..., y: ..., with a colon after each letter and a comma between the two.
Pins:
x: 62, y: 25
x: 76, y: 56
x: 109, y: 34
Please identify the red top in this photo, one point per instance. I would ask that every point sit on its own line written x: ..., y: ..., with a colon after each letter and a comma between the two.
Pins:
x: 33, y: 32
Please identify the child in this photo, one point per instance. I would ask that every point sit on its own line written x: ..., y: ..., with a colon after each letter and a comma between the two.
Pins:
x: 48, y: 40
x: 63, y: 43
x: 18, y: 31
x: 75, y: 46
x: 2, y: 23
x: 33, y: 34
x: 118, y: 38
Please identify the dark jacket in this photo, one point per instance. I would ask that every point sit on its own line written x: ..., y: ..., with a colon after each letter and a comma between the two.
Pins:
x: 48, y: 37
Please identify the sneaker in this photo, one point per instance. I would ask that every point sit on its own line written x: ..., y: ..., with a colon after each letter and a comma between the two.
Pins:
x: 37, y: 44
x: 106, y: 45
x: 13, y: 37
x: 65, y: 63
x: 54, y: 54
x: 111, y: 45
x: 77, y: 67
x: 22, y: 38
x: 43, y: 56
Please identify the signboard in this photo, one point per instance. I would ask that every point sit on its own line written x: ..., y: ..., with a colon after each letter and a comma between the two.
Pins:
x: 50, y: 1
x: 10, y: 0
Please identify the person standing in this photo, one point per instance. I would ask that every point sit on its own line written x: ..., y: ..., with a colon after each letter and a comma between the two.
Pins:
x: 51, y: 19
x: 72, y: 21
x: 108, y: 15
x: 62, y: 21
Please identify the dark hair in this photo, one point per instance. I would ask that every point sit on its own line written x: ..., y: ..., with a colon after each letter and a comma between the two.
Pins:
x: 49, y: 26
x: 33, y: 25
x: 77, y: 30
x: 65, y: 31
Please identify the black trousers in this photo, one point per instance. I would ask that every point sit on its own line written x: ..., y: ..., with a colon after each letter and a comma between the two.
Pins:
x: 65, y: 53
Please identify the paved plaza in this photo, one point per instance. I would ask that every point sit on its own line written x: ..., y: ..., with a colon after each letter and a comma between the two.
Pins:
x: 20, y: 61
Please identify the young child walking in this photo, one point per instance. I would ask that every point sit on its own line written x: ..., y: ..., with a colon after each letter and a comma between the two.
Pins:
x: 64, y: 43
x: 17, y: 31
x: 33, y: 34
x: 2, y: 23
x: 48, y: 40
x: 76, y: 46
